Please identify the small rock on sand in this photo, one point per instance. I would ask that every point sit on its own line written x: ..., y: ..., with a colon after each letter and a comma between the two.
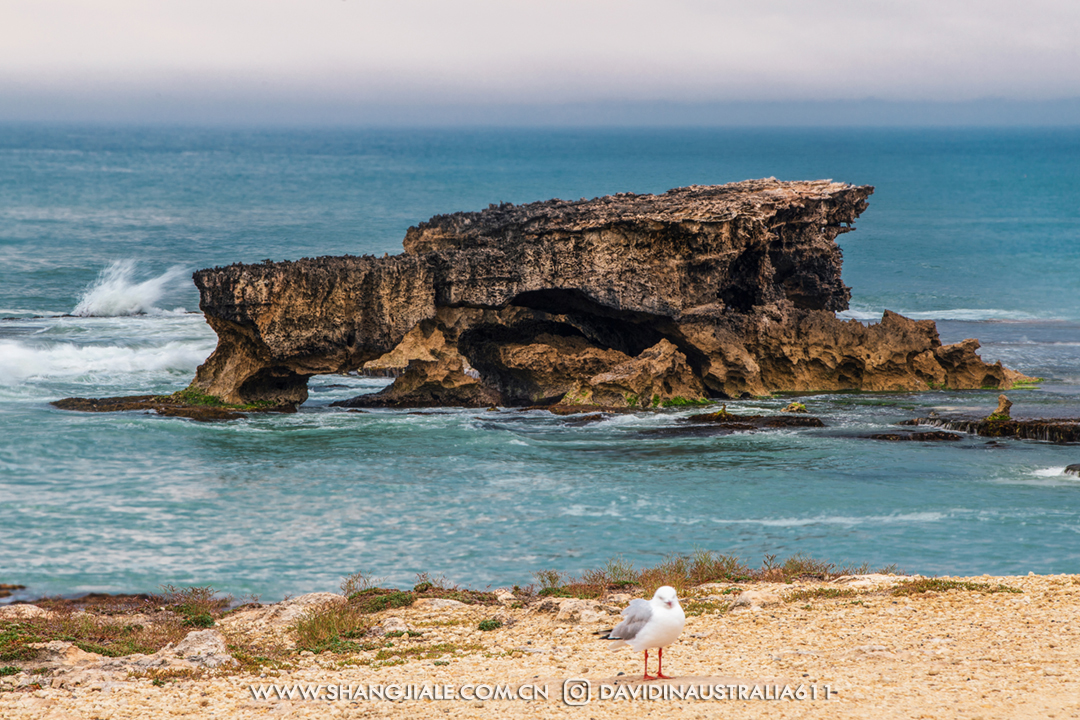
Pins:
x: 754, y: 600
x: 22, y: 611
x: 574, y: 612
x: 438, y: 604
x: 206, y: 648
x: 393, y: 624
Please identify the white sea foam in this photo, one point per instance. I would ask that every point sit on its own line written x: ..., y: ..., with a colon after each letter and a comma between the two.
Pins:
x: 20, y: 362
x: 1054, y: 476
x: 115, y: 292
x: 18, y: 312
x: 970, y: 314
x: 584, y: 511
x: 861, y: 315
x: 915, y: 517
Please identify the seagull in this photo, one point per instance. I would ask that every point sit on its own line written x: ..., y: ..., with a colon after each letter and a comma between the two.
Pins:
x: 648, y: 624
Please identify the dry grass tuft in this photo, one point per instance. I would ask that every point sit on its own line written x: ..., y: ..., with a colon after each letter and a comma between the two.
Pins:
x: 197, y: 605
x: 357, y: 583
x: 334, y: 627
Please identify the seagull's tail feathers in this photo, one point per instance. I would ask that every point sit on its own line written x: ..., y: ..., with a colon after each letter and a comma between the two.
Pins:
x: 616, y: 642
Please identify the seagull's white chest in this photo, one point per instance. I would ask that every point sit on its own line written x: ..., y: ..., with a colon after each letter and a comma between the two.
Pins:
x: 664, y: 627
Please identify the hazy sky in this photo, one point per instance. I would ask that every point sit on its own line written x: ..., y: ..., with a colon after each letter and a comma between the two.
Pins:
x: 361, y: 60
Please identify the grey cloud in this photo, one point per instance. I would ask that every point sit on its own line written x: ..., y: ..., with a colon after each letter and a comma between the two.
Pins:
x: 357, y: 58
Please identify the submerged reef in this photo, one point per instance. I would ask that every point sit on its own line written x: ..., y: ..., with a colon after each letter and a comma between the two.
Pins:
x: 621, y: 301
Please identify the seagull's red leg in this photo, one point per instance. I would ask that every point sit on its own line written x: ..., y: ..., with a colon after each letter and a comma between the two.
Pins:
x: 647, y: 675
x: 660, y: 665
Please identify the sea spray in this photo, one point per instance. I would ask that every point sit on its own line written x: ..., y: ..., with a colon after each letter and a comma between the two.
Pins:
x: 116, y: 293
x: 98, y: 364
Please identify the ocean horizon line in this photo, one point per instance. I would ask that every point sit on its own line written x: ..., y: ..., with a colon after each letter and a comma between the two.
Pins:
x: 869, y: 113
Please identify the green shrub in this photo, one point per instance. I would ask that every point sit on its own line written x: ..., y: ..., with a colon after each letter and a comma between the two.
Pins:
x: 375, y: 600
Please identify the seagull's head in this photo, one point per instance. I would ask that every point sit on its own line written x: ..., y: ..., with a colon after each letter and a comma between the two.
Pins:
x: 666, y: 597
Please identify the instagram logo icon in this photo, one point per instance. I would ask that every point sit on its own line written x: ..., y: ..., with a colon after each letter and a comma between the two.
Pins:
x: 576, y: 691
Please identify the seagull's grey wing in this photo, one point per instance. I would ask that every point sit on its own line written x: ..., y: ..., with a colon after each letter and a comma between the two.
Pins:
x: 635, y: 617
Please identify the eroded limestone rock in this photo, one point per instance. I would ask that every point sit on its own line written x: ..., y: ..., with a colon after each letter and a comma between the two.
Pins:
x: 703, y: 291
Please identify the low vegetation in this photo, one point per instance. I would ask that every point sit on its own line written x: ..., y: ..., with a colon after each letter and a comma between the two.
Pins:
x: 336, y: 627
x: 706, y: 606
x: 197, y: 398
x: 679, y: 401
x: 375, y: 600
x: 144, y: 624
x: 685, y: 572
x: 428, y: 586
x: 923, y: 586
x: 820, y: 593
x: 340, y: 627
x: 197, y: 605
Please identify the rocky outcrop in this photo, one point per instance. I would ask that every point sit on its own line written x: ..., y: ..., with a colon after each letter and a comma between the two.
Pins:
x: 169, y: 406
x: 6, y: 589
x: 626, y: 300
x: 1004, y: 408
x: 280, y: 323
x: 68, y: 666
x: 1056, y: 430
x: 932, y: 436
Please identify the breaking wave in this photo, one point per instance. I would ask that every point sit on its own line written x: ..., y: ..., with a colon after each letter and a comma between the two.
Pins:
x: 1049, y: 472
x: 20, y: 362
x: 116, y: 293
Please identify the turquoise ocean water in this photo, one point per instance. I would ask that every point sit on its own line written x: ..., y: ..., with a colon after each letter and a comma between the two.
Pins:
x: 101, y: 228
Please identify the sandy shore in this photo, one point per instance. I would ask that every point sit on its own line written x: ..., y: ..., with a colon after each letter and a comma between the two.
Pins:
x: 955, y: 654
